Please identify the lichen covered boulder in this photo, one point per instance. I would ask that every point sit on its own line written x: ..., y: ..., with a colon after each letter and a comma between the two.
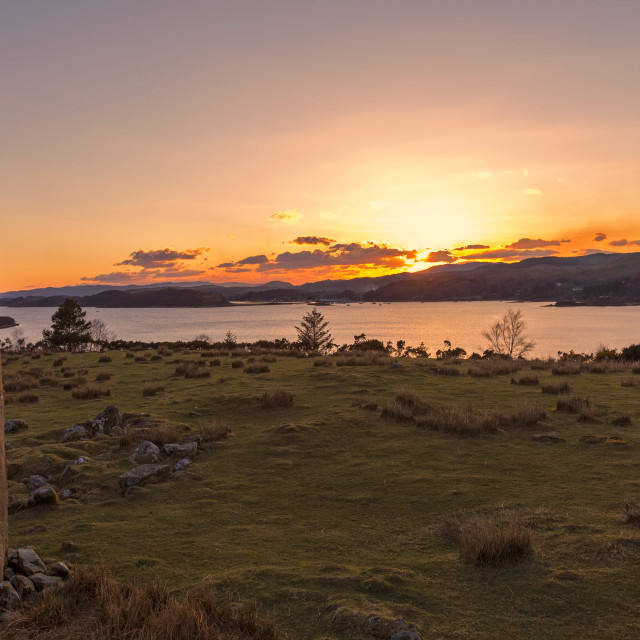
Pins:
x: 143, y: 474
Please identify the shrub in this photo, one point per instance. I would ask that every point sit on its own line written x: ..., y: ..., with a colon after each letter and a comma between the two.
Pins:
x: 77, y: 381
x: 57, y: 362
x: 362, y: 358
x: 571, y: 404
x: 140, y: 359
x: 214, y: 363
x: 486, y: 540
x: 164, y: 351
x: 541, y: 365
x: 251, y: 359
x: 152, y: 388
x: 632, y: 512
x: 192, y: 370
x: 526, y: 379
x: 237, y: 364
x: 588, y: 414
x: 90, y: 392
x: 459, y: 420
x: 103, y: 376
x: 277, y: 398
x: 493, y: 367
x: 155, y: 358
x: 213, y: 430
x: 524, y: 416
x: 323, y: 362
x: 48, y: 378
x: 398, y: 412
x: 129, y: 355
x: 104, y: 359
x: 19, y: 382
x: 257, y: 368
x: 556, y: 388
x: 269, y: 359
x: 628, y: 381
x: 28, y: 398
x: 448, y: 370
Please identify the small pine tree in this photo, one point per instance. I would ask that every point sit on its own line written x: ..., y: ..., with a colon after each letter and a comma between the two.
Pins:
x: 69, y: 329
x: 313, y: 334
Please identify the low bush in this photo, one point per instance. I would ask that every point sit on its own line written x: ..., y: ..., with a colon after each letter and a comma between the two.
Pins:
x: 556, y: 388
x: 277, y: 398
x: 622, y: 420
x: 213, y: 430
x: 215, y: 362
x: 628, y: 381
x: 104, y: 359
x: 448, y: 370
x: 160, y: 435
x: 103, y: 376
x: 237, y: 364
x: 494, y: 367
x: 323, y: 362
x: 57, y: 362
x: 19, y: 382
x: 152, y: 388
x: 571, y: 404
x: 588, y: 414
x: 90, y: 392
x: 129, y: 355
x: 632, y: 512
x: 257, y: 368
x: 164, y: 351
x: 269, y: 359
x: 566, y: 368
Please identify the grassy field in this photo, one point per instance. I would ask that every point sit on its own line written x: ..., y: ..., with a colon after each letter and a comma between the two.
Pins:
x: 326, y: 507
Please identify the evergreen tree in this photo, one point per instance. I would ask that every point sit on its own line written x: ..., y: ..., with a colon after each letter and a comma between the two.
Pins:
x: 69, y: 329
x: 312, y: 332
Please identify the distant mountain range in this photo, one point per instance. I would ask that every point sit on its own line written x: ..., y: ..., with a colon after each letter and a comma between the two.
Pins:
x: 600, y: 278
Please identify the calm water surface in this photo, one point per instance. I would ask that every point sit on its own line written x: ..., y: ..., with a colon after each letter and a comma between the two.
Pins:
x: 552, y: 329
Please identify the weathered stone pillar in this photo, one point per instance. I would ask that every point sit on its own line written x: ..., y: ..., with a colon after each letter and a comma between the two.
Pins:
x: 4, y: 495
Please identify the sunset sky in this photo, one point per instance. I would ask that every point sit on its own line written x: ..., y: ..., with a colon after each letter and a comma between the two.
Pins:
x: 295, y: 140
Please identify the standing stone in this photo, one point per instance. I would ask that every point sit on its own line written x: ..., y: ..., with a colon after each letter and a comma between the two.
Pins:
x: 106, y: 420
x: 4, y: 490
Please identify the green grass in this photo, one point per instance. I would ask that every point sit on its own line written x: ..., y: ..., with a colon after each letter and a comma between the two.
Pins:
x: 325, y: 503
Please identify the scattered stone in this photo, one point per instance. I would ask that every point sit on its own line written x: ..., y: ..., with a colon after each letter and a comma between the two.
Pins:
x: 11, y: 426
x: 82, y: 460
x: 28, y: 562
x: 39, y: 528
x: 77, y: 432
x: 106, y: 420
x: 66, y: 494
x: 23, y: 586
x: 143, y: 474
x: 181, y: 465
x: 395, y: 365
x: 548, y: 437
x: 68, y: 545
x: 9, y: 598
x: 59, y: 569
x: 146, y: 453
x: 8, y: 573
x: 42, y: 581
x: 43, y: 495
x: 174, y: 450
x: 195, y: 438
x: 35, y: 482
x: 593, y: 439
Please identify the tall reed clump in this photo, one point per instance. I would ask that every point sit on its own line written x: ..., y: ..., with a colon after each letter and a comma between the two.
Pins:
x: 90, y: 392
x: 277, y: 398
x: 556, y: 388
x: 571, y: 404
x: 494, y: 367
x: 93, y: 605
x: 152, y: 388
x: 257, y: 368
x: 213, y: 430
x: 405, y: 406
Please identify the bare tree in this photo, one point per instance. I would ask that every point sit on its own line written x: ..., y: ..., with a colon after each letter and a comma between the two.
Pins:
x: 506, y: 336
x: 100, y: 332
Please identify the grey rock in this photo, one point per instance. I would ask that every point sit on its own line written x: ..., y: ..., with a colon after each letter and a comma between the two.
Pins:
x: 406, y: 634
x: 67, y: 545
x: 42, y: 581
x: 106, y: 420
x: 77, y: 432
x: 29, y: 563
x: 548, y: 437
x: 8, y: 573
x: 23, y: 586
x: 142, y: 475
x: 9, y: 598
x: 43, y: 495
x: 65, y: 494
x: 82, y: 460
x: 59, y: 569
x: 182, y: 464
x: 146, y: 453
x: 34, y: 482
x: 11, y: 426
x: 173, y: 450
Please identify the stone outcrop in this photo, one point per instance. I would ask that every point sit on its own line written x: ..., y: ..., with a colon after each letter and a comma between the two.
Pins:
x: 174, y: 450
x: 12, y: 426
x: 77, y: 432
x: 143, y: 474
x: 146, y: 453
x: 107, y: 420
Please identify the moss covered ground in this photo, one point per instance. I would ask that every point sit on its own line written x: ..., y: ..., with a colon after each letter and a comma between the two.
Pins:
x: 325, y: 504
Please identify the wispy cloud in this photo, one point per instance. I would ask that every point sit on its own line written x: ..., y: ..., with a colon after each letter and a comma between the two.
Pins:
x: 160, y: 257
x: 312, y: 240
x: 530, y: 191
x: 529, y: 243
x: 472, y: 247
x: 619, y: 243
x: 290, y: 216
x: 510, y: 254
x: 600, y: 237
x: 441, y: 256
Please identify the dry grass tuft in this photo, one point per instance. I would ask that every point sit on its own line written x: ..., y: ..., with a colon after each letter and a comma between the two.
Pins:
x: 494, y: 367
x: 152, y: 388
x: 90, y: 392
x: 257, y: 368
x: 571, y: 404
x: 277, y: 398
x: 28, y: 398
x: 192, y: 370
x: 622, y: 420
x: 213, y: 430
x: 93, y: 605
x: 103, y: 376
x: 628, y: 381
x: 323, y: 362
x: 556, y: 388
x: 566, y: 368
x: 104, y: 359
x: 526, y: 379
x: 215, y: 362
x: 159, y: 435
x: 237, y: 364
